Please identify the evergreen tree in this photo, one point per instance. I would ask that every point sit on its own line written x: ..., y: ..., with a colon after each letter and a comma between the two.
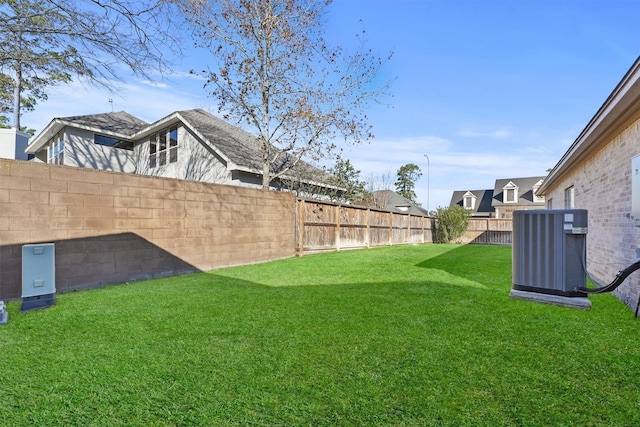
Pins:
x: 347, y: 180
x: 407, y: 176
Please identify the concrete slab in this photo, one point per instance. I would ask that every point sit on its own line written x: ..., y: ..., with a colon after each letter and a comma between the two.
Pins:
x: 582, y: 303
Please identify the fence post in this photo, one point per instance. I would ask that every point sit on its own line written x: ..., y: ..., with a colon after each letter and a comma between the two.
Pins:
x: 390, y: 228
x: 368, y: 227
x: 299, y: 224
x: 337, y: 208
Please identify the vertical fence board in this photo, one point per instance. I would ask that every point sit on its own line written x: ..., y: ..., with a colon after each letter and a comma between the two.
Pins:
x: 489, y: 231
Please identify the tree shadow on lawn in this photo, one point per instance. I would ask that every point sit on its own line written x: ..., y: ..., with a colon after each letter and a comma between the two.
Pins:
x: 419, y: 267
x: 485, y: 266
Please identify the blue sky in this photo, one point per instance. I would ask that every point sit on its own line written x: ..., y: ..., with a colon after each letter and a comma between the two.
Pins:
x: 486, y: 89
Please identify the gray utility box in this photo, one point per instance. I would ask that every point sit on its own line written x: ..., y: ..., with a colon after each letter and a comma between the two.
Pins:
x: 38, y: 276
x: 549, y: 251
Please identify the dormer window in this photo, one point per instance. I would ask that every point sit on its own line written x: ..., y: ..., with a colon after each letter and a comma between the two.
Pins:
x: 469, y: 200
x: 536, y: 187
x: 510, y: 193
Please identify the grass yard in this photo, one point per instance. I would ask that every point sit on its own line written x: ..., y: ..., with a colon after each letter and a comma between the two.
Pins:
x: 401, y: 336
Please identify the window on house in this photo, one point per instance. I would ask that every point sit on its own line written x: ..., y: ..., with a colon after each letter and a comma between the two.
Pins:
x: 550, y: 204
x: 510, y: 193
x: 173, y: 144
x: 163, y: 147
x: 469, y: 201
x: 55, y: 150
x: 153, y: 145
x: 569, y: 198
x: 112, y: 142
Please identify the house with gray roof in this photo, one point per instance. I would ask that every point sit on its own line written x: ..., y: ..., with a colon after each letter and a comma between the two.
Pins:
x: 512, y: 194
x: 393, y: 202
x: 478, y: 202
x: 191, y: 144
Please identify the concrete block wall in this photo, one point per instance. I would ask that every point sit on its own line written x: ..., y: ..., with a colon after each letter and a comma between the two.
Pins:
x: 602, y: 185
x: 113, y: 227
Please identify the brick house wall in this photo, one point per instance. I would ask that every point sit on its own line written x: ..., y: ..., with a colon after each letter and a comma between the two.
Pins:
x: 602, y: 185
x: 113, y: 227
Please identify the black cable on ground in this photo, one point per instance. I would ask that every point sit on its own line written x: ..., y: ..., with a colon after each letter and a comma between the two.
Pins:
x: 620, y: 277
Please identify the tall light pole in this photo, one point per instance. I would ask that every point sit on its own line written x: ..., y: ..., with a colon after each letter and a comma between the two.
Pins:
x: 427, y: 183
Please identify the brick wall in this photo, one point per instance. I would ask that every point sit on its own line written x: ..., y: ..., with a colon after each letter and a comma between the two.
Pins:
x: 602, y: 185
x: 112, y: 227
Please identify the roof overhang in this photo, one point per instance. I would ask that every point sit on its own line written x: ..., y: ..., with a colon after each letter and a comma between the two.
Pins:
x: 169, y: 120
x: 57, y: 124
x: 620, y: 110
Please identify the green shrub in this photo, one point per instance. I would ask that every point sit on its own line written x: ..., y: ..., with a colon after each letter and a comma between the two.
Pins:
x: 451, y: 223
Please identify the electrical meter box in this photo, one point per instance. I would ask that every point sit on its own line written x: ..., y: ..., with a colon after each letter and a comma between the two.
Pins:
x: 38, y: 276
x: 549, y: 251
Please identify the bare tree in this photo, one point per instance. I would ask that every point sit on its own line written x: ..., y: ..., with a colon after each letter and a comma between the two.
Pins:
x: 276, y: 74
x: 49, y: 42
x: 379, y: 191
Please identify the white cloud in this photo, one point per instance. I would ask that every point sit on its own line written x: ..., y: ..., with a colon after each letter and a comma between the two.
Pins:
x: 452, y: 165
x: 148, y: 102
x: 160, y: 85
x: 499, y: 133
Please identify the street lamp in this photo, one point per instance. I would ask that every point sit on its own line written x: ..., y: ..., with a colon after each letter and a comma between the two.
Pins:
x: 427, y: 183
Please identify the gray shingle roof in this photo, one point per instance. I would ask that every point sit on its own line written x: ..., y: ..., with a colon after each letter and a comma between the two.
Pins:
x: 393, y: 200
x: 240, y: 146
x: 119, y: 122
x: 525, y: 190
x: 483, y: 200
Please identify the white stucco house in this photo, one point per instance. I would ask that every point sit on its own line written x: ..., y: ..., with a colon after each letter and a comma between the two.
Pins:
x: 191, y: 144
x: 600, y: 172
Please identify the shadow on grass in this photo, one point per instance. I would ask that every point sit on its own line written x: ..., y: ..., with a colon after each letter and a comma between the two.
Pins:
x: 484, y: 265
x: 402, y: 266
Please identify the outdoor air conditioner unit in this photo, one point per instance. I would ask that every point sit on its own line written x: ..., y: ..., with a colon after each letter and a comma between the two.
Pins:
x: 549, y: 251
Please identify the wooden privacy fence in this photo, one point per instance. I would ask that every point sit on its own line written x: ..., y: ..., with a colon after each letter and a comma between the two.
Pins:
x: 324, y: 226
x: 488, y: 231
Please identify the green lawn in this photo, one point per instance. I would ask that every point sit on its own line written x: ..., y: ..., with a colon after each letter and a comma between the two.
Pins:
x: 401, y: 336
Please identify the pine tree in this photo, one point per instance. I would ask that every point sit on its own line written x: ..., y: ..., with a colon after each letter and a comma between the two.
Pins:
x: 407, y: 176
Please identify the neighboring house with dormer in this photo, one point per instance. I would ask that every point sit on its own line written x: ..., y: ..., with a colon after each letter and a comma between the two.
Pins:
x: 191, y: 144
x: 478, y: 202
x: 517, y: 194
